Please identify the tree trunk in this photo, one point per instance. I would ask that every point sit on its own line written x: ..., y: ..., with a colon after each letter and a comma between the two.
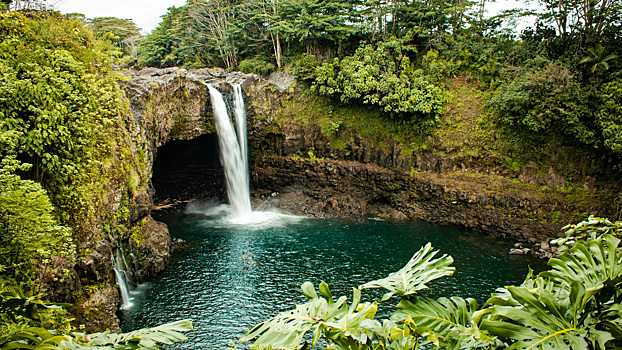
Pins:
x: 276, y: 45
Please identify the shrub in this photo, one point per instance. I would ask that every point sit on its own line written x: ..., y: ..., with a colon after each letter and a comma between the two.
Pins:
x: 547, y: 101
x: 381, y: 75
x: 257, y: 64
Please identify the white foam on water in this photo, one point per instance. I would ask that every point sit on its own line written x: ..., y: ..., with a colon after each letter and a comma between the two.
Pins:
x: 222, y: 215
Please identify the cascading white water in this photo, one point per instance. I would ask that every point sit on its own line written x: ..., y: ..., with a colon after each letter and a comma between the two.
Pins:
x: 127, y: 272
x: 233, y: 154
x: 119, y: 271
x: 240, y: 123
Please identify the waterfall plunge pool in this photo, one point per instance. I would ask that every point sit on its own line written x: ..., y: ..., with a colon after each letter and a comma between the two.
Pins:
x: 231, y: 277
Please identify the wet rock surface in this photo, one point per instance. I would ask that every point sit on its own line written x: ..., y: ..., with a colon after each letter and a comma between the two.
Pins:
x: 330, y: 188
x: 154, y: 252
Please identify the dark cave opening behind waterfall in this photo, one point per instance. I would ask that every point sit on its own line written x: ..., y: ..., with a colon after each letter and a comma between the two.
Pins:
x: 189, y: 169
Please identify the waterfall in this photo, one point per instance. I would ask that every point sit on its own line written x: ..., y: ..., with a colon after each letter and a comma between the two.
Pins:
x: 233, y: 151
x: 126, y: 271
x: 240, y: 123
x: 119, y: 271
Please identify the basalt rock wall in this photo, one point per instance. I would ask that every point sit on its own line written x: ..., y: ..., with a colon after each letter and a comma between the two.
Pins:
x: 295, y: 167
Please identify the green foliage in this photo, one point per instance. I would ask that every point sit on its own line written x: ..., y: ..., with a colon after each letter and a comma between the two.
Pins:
x: 19, y: 313
x: 63, y: 101
x: 609, y: 118
x: 547, y: 100
x: 305, y: 67
x: 29, y: 323
x: 575, y: 305
x: 120, y: 28
x: 381, y: 75
x: 598, y: 59
x: 568, y: 306
x: 61, y: 129
x: 30, y: 235
x: 123, y: 32
x: 413, y: 277
x: 256, y: 65
x: 591, y: 229
x: 146, y: 338
x: 449, y: 320
x: 162, y: 48
x: 321, y: 314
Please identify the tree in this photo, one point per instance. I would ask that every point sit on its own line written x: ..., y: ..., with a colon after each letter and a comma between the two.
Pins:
x: 213, y: 23
x: 321, y: 25
x: 124, y: 32
x: 265, y: 18
x: 120, y: 28
x: 592, y: 18
x: 5, y: 5
x: 163, y: 46
x: 598, y: 59
x: 31, y: 4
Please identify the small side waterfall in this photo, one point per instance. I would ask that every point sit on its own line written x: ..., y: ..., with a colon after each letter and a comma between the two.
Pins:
x: 122, y: 280
x: 233, y: 150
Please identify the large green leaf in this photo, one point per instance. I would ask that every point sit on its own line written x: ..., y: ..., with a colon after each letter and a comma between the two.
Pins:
x: 597, y: 264
x: 450, y: 320
x: 567, y: 307
x: 503, y: 297
x: 421, y: 269
x: 542, y: 321
x: 321, y: 314
x: 146, y: 338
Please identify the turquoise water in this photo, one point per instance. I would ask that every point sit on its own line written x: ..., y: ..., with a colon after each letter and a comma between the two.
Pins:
x: 231, y: 277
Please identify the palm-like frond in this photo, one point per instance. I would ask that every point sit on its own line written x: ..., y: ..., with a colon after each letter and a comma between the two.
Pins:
x: 320, y: 314
x: 146, y: 338
x: 421, y: 269
x: 450, y: 320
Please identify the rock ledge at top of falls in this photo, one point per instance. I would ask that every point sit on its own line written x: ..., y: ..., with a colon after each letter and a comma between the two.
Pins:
x: 148, y: 78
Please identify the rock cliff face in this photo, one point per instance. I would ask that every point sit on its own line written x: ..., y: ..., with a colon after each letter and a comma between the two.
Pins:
x: 295, y: 167
x: 164, y: 105
x: 364, y: 178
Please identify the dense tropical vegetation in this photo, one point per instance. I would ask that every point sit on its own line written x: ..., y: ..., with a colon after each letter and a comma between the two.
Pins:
x: 62, y: 131
x: 558, y: 80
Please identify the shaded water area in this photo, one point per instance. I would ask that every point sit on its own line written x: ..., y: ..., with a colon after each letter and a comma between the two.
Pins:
x: 231, y: 277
